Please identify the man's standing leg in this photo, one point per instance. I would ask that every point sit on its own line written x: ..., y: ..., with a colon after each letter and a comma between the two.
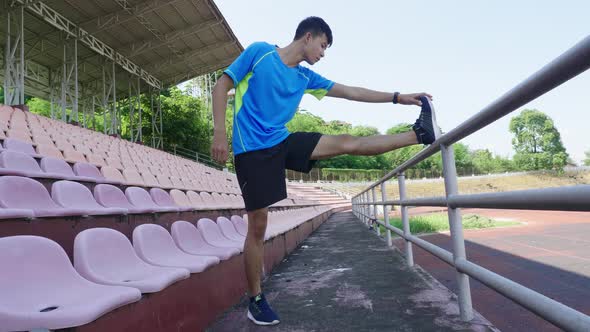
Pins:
x: 254, y: 249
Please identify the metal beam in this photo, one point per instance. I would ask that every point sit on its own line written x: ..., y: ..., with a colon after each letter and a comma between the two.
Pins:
x: 173, y: 80
x: 185, y: 57
x: 57, y: 20
x: 127, y: 13
x: 147, y: 45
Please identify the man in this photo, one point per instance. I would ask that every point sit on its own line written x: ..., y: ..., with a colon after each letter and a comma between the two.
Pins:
x: 269, y: 83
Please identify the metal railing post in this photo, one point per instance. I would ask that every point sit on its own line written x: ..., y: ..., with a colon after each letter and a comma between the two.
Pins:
x: 374, y: 193
x: 405, y: 220
x: 456, y: 227
x: 385, y: 213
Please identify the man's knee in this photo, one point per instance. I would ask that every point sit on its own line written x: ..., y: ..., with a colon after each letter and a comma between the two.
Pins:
x: 257, y: 221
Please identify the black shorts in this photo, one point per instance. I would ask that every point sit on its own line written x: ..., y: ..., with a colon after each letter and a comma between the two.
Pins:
x: 261, y: 173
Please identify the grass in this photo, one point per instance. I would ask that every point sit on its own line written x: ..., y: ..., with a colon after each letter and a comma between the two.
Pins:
x: 438, y: 222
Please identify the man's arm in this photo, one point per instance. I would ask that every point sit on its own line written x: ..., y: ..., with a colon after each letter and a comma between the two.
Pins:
x: 372, y: 96
x: 219, y: 147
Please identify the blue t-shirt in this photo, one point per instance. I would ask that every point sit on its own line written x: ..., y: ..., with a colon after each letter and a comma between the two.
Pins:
x: 268, y: 93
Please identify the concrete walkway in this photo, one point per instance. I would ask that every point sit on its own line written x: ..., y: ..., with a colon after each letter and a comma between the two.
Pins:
x: 344, y: 278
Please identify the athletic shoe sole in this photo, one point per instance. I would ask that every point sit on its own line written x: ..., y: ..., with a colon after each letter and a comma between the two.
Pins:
x: 435, y: 127
x: 250, y: 317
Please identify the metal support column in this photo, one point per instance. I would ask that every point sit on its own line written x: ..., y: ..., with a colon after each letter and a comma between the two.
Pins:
x: 109, y: 104
x: 135, y: 132
x: 385, y: 213
x: 405, y: 220
x: 14, y: 58
x: 156, y: 119
x: 375, y: 216
x: 456, y: 226
x: 69, y: 80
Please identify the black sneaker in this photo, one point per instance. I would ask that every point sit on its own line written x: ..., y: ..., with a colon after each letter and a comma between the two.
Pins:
x: 260, y: 312
x: 426, y: 129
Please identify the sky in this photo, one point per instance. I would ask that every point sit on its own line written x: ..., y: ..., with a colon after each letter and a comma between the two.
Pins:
x: 465, y: 53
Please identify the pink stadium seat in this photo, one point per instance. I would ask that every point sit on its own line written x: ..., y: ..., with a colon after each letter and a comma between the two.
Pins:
x: 179, y: 198
x: 71, y: 194
x: 25, y: 193
x: 23, y: 136
x: 49, y: 151
x: 209, y: 201
x: 96, y: 159
x: 150, y: 180
x: 164, y: 181
x: 154, y: 245
x: 162, y: 198
x: 110, y: 196
x: 240, y: 225
x: 17, y: 163
x: 106, y: 256
x: 91, y: 171
x: 41, y: 289
x: 16, y: 213
x: 229, y: 231
x: 212, y: 235
x: 60, y: 166
x: 133, y: 178
x: 112, y: 174
x: 196, y: 200
x: 20, y: 146
x: 141, y: 198
x: 74, y: 156
x: 116, y: 163
x: 188, y: 238
x: 42, y: 140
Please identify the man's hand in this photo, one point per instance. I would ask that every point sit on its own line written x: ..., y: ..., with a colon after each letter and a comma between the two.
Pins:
x: 412, y: 98
x: 219, y: 148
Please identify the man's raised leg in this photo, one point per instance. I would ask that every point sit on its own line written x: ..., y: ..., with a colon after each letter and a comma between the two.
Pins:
x: 335, y: 145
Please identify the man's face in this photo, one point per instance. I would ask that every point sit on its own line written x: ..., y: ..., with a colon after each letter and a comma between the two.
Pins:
x: 315, y: 47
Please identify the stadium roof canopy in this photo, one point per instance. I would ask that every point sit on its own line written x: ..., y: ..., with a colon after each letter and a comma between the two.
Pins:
x: 158, y: 43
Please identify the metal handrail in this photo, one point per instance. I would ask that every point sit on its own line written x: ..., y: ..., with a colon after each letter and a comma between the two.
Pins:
x: 573, y: 198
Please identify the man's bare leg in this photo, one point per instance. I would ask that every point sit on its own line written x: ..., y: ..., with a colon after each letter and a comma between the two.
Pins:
x: 335, y: 145
x: 254, y: 249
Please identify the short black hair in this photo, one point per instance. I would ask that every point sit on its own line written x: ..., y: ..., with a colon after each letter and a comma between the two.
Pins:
x: 316, y: 26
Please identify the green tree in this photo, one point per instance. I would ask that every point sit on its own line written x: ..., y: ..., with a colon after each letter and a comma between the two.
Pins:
x: 587, y: 159
x: 537, y: 142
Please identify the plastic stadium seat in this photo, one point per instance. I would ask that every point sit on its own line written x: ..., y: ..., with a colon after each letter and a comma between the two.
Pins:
x: 20, y: 146
x: 74, y: 156
x: 41, y: 290
x: 17, y: 163
x: 110, y: 196
x: 16, y: 213
x: 240, y: 225
x: 106, y: 256
x: 91, y: 171
x: 42, y: 140
x: 19, y: 135
x: 229, y: 231
x: 196, y: 200
x: 209, y: 201
x: 116, y: 163
x: 75, y: 195
x: 142, y: 199
x: 154, y: 245
x: 179, y: 198
x: 162, y: 198
x: 132, y: 178
x: 25, y: 193
x: 150, y: 180
x: 60, y: 166
x: 49, y: 151
x: 112, y: 174
x: 212, y: 234
x: 96, y: 159
x: 164, y: 181
x: 188, y: 238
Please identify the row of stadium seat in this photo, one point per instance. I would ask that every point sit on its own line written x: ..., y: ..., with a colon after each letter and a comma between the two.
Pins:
x: 44, y: 291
